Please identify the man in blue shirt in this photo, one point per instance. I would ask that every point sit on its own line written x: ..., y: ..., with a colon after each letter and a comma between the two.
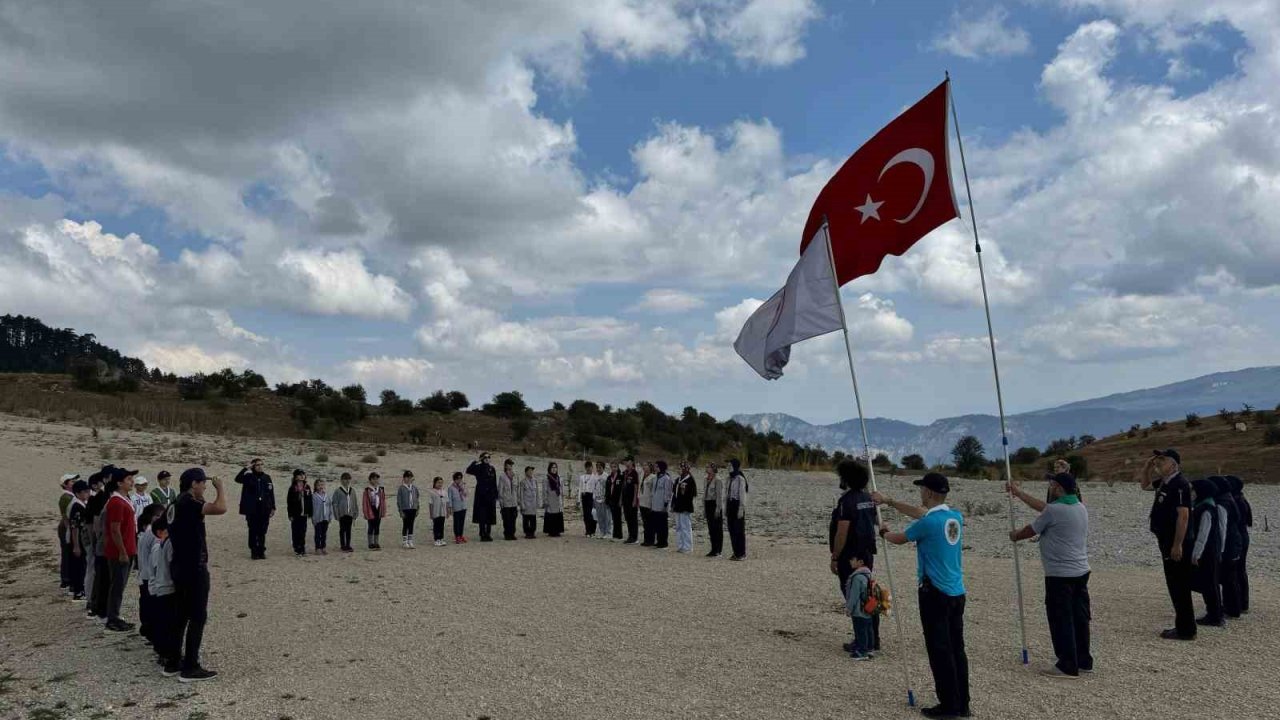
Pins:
x: 937, y: 533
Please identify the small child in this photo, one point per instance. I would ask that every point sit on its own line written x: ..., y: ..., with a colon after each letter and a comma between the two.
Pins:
x: 859, y: 591
x: 439, y: 510
x: 345, y: 507
x: 164, y: 604
x: 298, y: 504
x: 146, y: 613
x: 375, y: 508
x: 1205, y: 537
x: 407, y: 502
x: 321, y: 514
x: 458, y: 505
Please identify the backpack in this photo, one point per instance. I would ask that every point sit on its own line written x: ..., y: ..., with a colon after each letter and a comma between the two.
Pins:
x: 878, y: 600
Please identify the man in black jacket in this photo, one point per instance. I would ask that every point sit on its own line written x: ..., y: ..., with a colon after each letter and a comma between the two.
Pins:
x: 853, y: 530
x: 484, y: 512
x: 1170, y: 518
x: 257, y: 505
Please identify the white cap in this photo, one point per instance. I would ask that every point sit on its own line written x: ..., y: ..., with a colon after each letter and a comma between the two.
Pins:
x: 139, y: 480
x: 70, y: 476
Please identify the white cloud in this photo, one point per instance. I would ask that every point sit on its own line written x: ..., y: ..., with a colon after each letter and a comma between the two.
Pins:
x: 579, y: 370
x: 1134, y: 326
x: 189, y: 359
x: 337, y: 283
x: 766, y: 32
x: 667, y: 301
x: 400, y: 373
x: 975, y: 36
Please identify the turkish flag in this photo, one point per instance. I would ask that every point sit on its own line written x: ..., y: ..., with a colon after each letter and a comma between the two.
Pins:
x: 893, y: 191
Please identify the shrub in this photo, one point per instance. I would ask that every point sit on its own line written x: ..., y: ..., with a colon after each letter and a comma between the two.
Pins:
x: 1271, y: 435
x: 324, y: 428
x: 1025, y: 456
x: 509, y: 404
x: 194, y: 387
x: 1079, y: 466
x: 417, y: 435
x: 1133, y: 431
x: 968, y: 455
x: 913, y: 462
x: 881, y: 460
x: 520, y: 428
x: 436, y: 402
x: 322, y: 458
x: 369, y: 459
x: 1193, y: 420
x: 458, y: 401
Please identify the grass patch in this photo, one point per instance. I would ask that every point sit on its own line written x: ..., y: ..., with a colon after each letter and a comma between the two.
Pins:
x: 369, y: 459
x: 61, y: 677
x: 322, y: 458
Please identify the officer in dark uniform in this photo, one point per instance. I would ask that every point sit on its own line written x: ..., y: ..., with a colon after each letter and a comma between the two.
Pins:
x: 1170, y: 519
x: 257, y: 505
x: 484, y: 513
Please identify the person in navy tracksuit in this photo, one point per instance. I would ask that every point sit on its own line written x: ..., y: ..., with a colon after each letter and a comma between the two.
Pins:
x: 257, y: 505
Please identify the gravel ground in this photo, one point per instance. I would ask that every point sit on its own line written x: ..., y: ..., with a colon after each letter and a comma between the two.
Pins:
x: 586, y: 628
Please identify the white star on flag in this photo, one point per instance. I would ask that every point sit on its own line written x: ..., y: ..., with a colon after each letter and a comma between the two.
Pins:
x: 869, y: 209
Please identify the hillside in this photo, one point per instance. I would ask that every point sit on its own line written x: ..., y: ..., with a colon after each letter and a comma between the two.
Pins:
x: 1205, y: 395
x: 1212, y: 448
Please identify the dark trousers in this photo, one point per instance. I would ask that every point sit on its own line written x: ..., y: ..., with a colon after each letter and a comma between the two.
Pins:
x: 529, y: 524
x: 101, y: 586
x: 1229, y: 577
x: 146, y: 617
x: 715, y: 528
x: 459, y: 523
x: 942, y: 617
x: 1066, y: 602
x: 374, y: 527
x: 588, y: 520
x: 164, y: 615
x: 76, y: 569
x: 553, y: 524
x: 407, y: 518
x: 437, y: 528
x: 646, y: 520
x: 1243, y: 576
x: 298, y: 531
x: 615, y: 512
x: 509, y: 515
x: 629, y: 514
x: 258, y: 524
x: 738, y: 530
x: 119, y: 574
x: 660, y: 528
x: 64, y: 560
x: 843, y: 571
x: 1209, y: 584
x: 192, y: 613
x: 1177, y: 578
x: 344, y: 532
x: 322, y: 534
x: 862, y: 638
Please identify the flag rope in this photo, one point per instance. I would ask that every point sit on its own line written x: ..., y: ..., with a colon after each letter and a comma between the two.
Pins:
x: 866, y: 445
x: 995, y: 366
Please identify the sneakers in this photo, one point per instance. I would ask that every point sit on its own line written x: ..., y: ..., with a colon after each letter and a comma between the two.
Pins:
x: 860, y: 657
x: 119, y: 626
x: 170, y: 669
x: 78, y: 597
x: 196, y: 675
x: 439, y: 543
x: 1054, y: 671
x: 738, y: 558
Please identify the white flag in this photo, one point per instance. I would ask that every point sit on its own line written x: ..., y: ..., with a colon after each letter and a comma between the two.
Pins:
x: 806, y: 307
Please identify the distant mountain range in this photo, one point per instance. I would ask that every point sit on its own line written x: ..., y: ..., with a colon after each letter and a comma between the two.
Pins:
x: 1108, y: 415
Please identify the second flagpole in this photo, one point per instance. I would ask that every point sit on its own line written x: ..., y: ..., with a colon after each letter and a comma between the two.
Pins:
x: 866, y: 446
x: 995, y: 366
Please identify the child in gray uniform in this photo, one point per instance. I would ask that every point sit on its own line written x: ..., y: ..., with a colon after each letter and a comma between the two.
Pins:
x: 439, y: 510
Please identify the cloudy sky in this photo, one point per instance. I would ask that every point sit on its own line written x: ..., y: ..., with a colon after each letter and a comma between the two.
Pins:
x: 582, y: 198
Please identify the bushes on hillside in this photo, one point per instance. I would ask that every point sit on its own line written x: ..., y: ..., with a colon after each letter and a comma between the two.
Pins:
x: 913, y: 462
x: 507, y: 405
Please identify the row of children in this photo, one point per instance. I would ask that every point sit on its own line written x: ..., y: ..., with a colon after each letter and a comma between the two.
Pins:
x: 306, y: 502
x: 103, y: 540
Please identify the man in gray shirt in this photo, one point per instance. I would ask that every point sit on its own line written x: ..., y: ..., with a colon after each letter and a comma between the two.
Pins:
x: 1063, y: 527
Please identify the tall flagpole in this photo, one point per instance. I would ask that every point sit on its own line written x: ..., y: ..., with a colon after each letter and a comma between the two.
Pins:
x: 866, y: 445
x: 995, y: 366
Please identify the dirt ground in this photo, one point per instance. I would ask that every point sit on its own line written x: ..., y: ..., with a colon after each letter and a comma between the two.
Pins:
x: 575, y: 628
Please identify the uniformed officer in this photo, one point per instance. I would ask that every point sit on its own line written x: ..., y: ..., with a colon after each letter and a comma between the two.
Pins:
x: 1170, y: 518
x: 257, y: 505
x: 937, y: 533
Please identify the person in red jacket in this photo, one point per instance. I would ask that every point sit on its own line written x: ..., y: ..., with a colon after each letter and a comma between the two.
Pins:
x: 374, y: 506
x: 121, y: 531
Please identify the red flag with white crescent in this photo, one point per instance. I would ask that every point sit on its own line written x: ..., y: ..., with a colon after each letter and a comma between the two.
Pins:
x: 890, y: 193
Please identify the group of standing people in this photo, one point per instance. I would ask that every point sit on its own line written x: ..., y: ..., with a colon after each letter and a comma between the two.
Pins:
x: 614, y: 494
x: 107, y: 528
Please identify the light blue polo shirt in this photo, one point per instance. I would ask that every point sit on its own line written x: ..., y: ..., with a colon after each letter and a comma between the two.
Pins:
x: 938, y: 537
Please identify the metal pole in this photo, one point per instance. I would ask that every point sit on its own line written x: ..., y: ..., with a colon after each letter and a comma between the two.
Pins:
x: 866, y: 446
x: 995, y: 366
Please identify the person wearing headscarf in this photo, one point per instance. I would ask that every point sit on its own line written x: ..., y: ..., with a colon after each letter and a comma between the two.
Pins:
x: 1232, y: 542
x: 484, y: 511
x: 735, y: 512
x: 1246, y: 522
x: 713, y: 510
x: 662, y: 488
x: 630, y: 500
x: 553, y: 502
x: 1205, y: 542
